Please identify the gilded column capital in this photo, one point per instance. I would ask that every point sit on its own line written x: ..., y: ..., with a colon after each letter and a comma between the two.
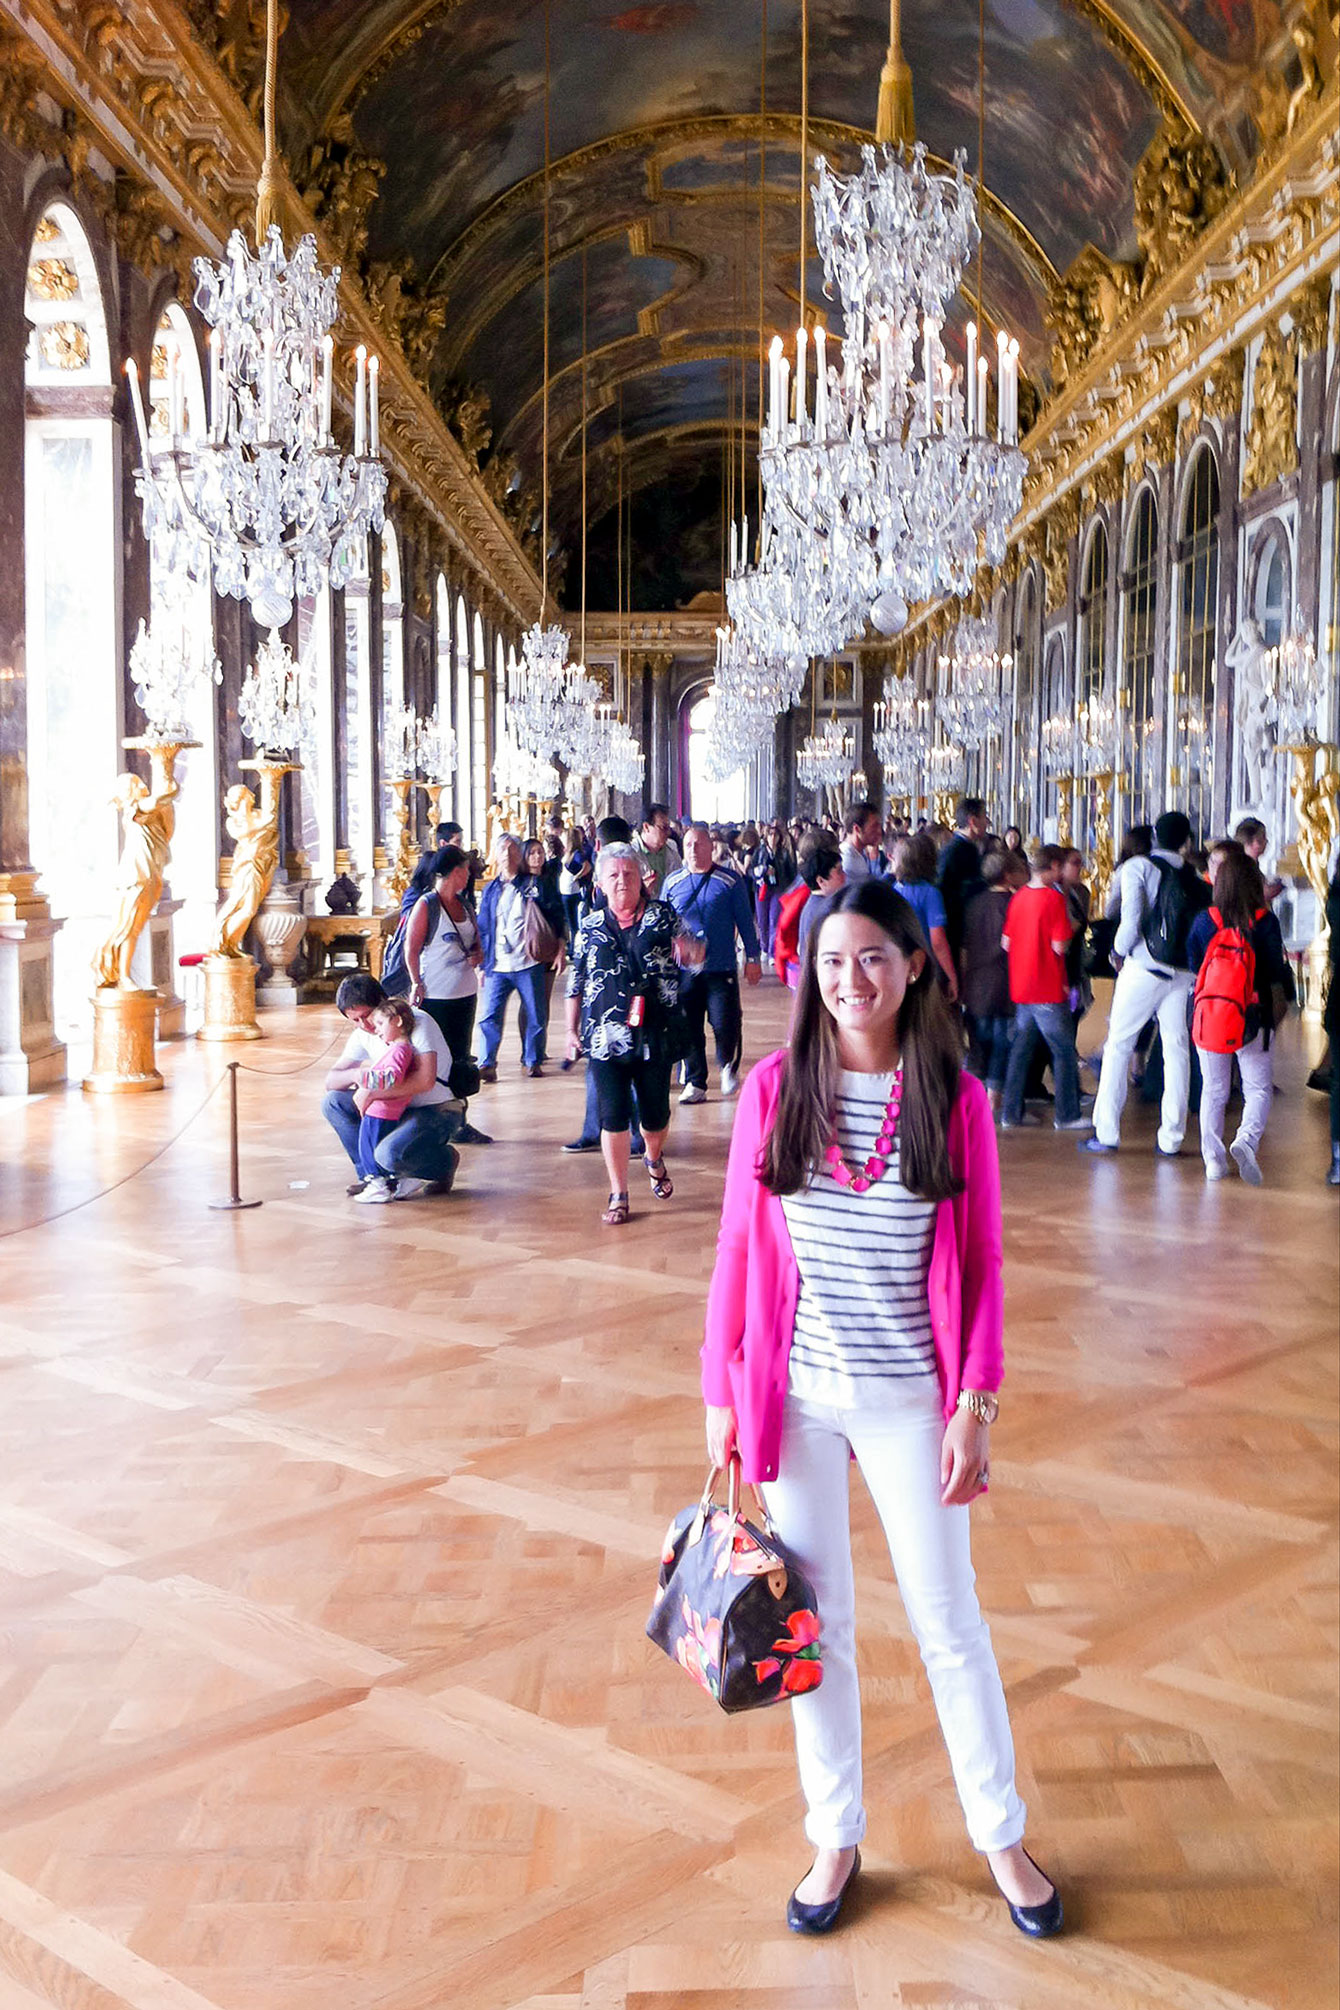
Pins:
x: 658, y: 663
x: 1311, y: 312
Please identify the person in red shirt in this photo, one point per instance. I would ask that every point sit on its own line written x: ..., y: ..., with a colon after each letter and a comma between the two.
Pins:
x: 1037, y: 935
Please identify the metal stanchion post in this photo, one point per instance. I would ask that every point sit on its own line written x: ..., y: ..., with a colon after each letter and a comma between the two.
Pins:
x: 234, y: 1200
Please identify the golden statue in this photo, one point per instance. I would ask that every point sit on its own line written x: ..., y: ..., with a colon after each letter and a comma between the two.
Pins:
x: 1315, y: 788
x: 255, y: 834
x: 147, y: 822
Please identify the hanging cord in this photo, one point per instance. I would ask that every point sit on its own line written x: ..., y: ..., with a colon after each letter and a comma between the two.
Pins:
x: 544, y: 399
x: 583, y: 453
x: 981, y: 163
x: 895, y: 123
x: 269, y: 189
x: 762, y: 248
x: 804, y: 143
x: 246, y: 1069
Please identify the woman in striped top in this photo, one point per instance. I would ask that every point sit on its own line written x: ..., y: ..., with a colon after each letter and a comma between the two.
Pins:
x: 856, y: 1310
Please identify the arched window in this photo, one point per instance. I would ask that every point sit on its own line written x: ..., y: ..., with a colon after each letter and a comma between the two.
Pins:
x: 499, y: 691
x: 1272, y: 593
x: 184, y: 608
x: 479, y: 744
x: 464, y: 737
x: 446, y: 689
x: 1058, y: 711
x: 393, y: 623
x: 714, y: 802
x: 75, y: 714
x: 1138, y: 728
x: 358, y: 722
x: 1025, y: 775
x: 1192, y: 770
x: 1093, y: 619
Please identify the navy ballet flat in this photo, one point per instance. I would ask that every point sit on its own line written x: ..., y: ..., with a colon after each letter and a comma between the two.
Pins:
x: 1040, y: 1922
x: 802, y: 1918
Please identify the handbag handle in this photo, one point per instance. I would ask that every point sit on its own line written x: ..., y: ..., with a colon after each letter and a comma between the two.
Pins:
x: 734, y: 1483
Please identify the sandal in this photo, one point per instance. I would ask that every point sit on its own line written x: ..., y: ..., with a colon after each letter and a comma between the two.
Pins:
x: 616, y: 1214
x: 661, y: 1183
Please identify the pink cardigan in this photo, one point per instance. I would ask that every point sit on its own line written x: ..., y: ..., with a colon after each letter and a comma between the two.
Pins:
x: 751, y: 1304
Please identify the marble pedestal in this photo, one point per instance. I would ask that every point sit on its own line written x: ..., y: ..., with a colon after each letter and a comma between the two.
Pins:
x: 31, y: 1057
x: 230, y: 999
x: 123, y: 1043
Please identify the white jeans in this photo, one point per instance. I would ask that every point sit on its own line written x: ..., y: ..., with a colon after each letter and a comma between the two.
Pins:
x: 1139, y: 996
x: 898, y: 1450
x: 1216, y: 1073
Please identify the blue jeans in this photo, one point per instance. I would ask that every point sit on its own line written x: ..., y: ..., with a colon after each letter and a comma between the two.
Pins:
x: 529, y: 988
x: 416, y: 1146
x: 989, y: 1046
x: 1057, y: 1027
x: 371, y: 1131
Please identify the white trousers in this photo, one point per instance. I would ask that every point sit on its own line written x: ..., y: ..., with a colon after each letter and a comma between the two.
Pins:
x: 1137, y: 997
x: 1216, y: 1073
x: 898, y: 1450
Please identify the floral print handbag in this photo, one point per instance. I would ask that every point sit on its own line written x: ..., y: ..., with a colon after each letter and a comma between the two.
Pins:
x: 733, y: 1607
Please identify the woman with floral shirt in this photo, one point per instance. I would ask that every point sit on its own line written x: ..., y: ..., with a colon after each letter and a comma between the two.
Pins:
x: 623, y: 993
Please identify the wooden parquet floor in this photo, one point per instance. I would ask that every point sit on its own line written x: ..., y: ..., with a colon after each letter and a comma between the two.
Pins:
x: 327, y: 1535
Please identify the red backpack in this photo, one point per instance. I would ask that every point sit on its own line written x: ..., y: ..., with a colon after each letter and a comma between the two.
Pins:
x: 1225, y: 990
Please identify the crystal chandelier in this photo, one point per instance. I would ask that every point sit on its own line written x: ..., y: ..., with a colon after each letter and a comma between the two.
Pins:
x: 945, y: 763
x: 270, y: 704
x: 902, y: 736
x: 976, y: 681
x: 827, y: 759
x: 168, y: 671
x: 518, y: 772
x: 437, y: 747
x: 1292, y: 688
x: 625, y: 762
x: 264, y: 501
x: 1097, y: 735
x: 885, y: 488
x: 1058, y: 744
x: 400, y: 742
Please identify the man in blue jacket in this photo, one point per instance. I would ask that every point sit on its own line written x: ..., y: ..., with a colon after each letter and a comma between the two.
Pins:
x: 713, y: 903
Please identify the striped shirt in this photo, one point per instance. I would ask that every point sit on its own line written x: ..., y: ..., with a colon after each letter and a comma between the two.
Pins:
x: 863, y: 1316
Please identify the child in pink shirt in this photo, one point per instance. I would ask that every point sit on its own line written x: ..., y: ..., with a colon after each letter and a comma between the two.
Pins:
x: 380, y: 1098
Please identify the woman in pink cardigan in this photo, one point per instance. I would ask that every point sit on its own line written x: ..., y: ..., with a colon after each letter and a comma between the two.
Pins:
x: 855, y: 1311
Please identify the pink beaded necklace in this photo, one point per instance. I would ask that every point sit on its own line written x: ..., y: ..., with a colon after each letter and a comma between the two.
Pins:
x: 877, y: 1164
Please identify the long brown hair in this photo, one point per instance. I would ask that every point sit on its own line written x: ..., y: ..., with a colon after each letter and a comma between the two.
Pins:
x: 929, y: 1043
x: 1239, y: 890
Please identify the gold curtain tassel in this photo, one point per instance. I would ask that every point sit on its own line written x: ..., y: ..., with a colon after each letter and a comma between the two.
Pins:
x: 895, y: 121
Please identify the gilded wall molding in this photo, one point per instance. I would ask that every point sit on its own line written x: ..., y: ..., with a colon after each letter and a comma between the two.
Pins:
x: 1271, y: 448
x: 157, y: 135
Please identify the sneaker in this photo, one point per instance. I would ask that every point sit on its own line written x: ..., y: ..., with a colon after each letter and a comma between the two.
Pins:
x: 1159, y: 1153
x: 1216, y: 1168
x: 1027, y: 1122
x: 1075, y: 1124
x: 377, y: 1192
x: 691, y: 1094
x: 413, y: 1189
x: 1097, y: 1147
x: 488, y: 1074
x: 582, y: 1145
x: 730, y: 1080
x: 468, y: 1135
x: 1244, y: 1158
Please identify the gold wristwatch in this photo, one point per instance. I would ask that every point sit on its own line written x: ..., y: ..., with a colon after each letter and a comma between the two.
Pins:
x: 982, y: 1404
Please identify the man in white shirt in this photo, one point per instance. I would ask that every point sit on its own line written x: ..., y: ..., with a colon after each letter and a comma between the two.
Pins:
x: 861, y: 828
x: 1149, y: 987
x: 419, y: 1155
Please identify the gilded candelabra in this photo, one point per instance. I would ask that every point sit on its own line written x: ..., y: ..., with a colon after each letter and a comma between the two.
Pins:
x: 124, y: 1013
x: 1065, y: 796
x: 1105, y: 782
x: 401, y: 847
x: 230, y: 974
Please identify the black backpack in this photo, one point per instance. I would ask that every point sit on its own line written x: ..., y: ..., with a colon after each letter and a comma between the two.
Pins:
x: 395, y: 979
x: 1181, y: 896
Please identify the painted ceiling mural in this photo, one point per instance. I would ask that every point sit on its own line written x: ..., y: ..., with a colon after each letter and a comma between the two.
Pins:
x: 655, y: 138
